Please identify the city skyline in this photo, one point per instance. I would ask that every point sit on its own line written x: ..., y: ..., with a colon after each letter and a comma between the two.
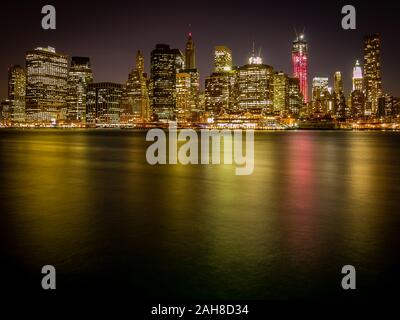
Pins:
x: 113, y: 62
x: 58, y: 93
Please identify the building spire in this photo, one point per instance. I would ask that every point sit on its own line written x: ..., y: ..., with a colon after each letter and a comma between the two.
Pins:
x: 140, y: 62
x: 190, y: 58
x: 254, y: 59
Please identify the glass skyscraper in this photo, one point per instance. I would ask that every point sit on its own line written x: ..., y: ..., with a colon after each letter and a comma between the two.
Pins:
x: 165, y: 64
x: 46, y: 86
x: 79, y: 77
x: 300, y: 64
x: 372, y: 71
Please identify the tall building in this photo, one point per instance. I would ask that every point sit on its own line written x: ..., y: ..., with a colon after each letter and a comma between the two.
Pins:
x: 340, y: 108
x: 300, y: 64
x: 319, y: 87
x: 193, y: 110
x: 165, y: 64
x: 79, y: 77
x: 183, y: 97
x: 16, y: 93
x: 358, y: 82
x: 357, y: 101
x: 295, y: 97
x: 190, y: 55
x: 46, y: 85
x: 219, y: 92
x: 135, y: 104
x: 337, y: 82
x: 254, y: 84
x: 220, y: 85
x: 386, y: 106
x: 372, y: 71
x: 222, y: 59
x: 281, y: 86
x: 357, y: 97
x: 103, y: 103
x: 321, y: 96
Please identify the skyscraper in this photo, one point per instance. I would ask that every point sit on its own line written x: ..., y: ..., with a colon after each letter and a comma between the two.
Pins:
x: 135, y: 99
x: 295, y: 97
x: 372, y: 71
x: 319, y: 87
x: 357, y: 77
x: 165, y: 64
x: 46, y: 87
x: 222, y: 59
x: 16, y: 93
x: 220, y: 85
x: 320, y: 94
x: 357, y: 97
x: 79, y: 76
x: 281, y: 86
x: 339, y: 100
x: 190, y: 56
x: 219, y: 92
x: 192, y: 110
x: 337, y: 82
x: 254, y: 85
x: 183, y: 97
x: 103, y: 103
x: 300, y: 64
x: 357, y: 101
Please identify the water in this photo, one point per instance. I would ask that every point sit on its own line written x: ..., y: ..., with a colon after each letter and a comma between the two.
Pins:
x: 89, y: 204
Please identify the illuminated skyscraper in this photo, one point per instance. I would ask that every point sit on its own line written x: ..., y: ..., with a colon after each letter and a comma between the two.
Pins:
x: 340, y: 108
x: 220, y: 85
x: 183, y: 97
x: 320, y: 95
x: 135, y: 103
x: 192, y: 109
x: 357, y: 101
x: 357, y: 77
x: 386, y: 106
x: 281, y: 87
x: 372, y: 71
x: 79, y: 76
x: 255, y: 92
x: 319, y: 87
x: 337, y: 82
x: 190, y: 56
x: 300, y: 64
x: 357, y: 97
x: 220, y: 92
x: 295, y: 97
x: 165, y: 64
x: 46, y: 86
x: 223, y: 59
x: 103, y: 103
x: 16, y: 93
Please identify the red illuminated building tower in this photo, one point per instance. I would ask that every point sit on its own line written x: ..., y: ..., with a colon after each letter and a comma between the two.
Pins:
x: 300, y: 64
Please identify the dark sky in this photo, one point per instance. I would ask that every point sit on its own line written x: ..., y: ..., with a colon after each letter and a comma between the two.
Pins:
x: 111, y: 32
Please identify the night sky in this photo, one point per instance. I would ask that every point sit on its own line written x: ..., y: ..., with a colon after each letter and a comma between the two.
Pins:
x: 111, y: 32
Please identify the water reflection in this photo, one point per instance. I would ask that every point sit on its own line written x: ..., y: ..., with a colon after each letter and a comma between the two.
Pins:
x: 88, y: 202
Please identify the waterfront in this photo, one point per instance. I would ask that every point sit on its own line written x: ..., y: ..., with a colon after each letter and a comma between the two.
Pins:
x: 87, y: 202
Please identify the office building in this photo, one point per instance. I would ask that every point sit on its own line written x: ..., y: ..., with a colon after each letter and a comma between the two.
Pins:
x: 46, y: 85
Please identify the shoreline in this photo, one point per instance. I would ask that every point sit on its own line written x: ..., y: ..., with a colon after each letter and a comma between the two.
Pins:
x: 195, y: 129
